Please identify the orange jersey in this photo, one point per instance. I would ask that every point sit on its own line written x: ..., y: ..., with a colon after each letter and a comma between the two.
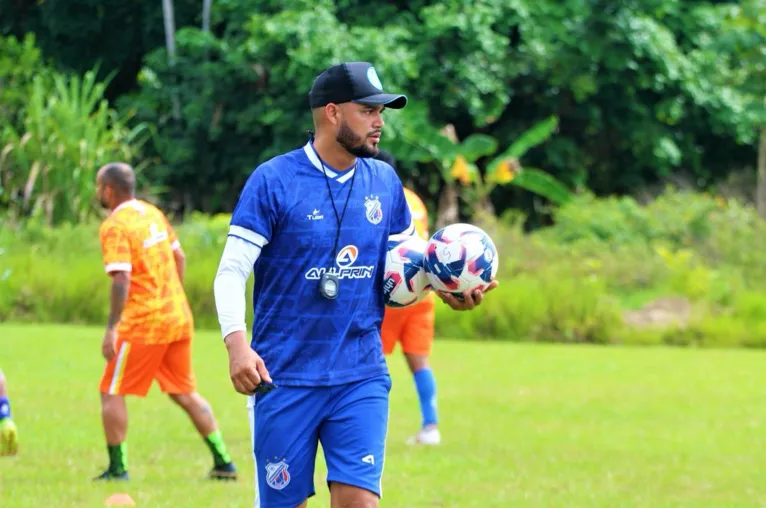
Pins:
x: 419, y: 213
x: 138, y: 238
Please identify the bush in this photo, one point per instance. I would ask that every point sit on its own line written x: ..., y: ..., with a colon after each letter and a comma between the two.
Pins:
x: 573, y: 282
x: 56, y: 275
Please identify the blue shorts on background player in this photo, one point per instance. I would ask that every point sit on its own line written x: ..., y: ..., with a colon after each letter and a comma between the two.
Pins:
x: 312, y: 225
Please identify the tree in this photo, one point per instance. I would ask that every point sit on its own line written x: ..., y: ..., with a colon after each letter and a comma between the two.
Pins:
x: 744, y: 43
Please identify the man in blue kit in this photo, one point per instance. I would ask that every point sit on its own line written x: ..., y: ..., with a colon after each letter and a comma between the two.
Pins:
x: 313, y: 226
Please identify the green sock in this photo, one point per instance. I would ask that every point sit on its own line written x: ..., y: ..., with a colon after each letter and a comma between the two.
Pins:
x: 118, y: 458
x: 218, y: 448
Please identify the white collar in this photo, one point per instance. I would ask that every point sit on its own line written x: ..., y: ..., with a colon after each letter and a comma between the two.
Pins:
x: 312, y: 155
x: 131, y: 202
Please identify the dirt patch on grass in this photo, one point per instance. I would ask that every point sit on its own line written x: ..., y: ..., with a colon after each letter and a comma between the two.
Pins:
x: 661, y: 312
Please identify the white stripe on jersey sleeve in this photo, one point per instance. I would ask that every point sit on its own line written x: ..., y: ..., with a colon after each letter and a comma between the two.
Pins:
x: 118, y: 267
x: 175, y: 245
x: 237, y: 261
x: 247, y: 235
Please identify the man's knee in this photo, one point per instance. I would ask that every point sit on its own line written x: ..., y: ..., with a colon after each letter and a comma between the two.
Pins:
x: 348, y: 496
x: 416, y: 362
x: 111, y: 403
x: 185, y: 400
x: 190, y: 401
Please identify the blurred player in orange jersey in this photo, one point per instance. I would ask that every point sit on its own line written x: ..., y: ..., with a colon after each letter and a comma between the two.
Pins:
x: 150, y: 328
x: 413, y: 328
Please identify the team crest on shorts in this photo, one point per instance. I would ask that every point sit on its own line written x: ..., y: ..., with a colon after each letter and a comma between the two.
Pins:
x: 373, y: 209
x: 277, y: 476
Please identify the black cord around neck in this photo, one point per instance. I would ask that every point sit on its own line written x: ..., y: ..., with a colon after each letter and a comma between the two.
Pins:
x: 338, y: 221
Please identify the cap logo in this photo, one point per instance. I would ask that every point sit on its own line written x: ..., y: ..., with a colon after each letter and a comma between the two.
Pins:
x: 372, y: 77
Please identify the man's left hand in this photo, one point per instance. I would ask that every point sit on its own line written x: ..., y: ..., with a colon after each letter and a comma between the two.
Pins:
x: 470, y: 298
x: 109, y: 344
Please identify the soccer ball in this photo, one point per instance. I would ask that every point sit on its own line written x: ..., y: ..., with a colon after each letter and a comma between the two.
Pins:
x: 405, y: 282
x: 460, y: 257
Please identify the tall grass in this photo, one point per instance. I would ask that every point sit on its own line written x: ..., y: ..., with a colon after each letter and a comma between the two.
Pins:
x: 67, y: 131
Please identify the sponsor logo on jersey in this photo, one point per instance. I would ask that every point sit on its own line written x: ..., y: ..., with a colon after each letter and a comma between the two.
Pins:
x: 155, y: 236
x: 345, y: 268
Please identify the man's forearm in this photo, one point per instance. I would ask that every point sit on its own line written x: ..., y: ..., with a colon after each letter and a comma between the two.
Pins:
x: 236, y: 340
x: 119, y: 295
x: 230, y: 282
x: 180, y: 259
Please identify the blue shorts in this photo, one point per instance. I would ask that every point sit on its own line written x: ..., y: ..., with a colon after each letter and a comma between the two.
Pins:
x: 349, y: 420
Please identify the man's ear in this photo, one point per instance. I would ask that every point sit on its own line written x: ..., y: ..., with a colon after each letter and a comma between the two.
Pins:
x: 333, y: 113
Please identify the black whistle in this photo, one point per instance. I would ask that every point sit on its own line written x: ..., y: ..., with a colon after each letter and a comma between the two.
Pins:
x: 264, y: 388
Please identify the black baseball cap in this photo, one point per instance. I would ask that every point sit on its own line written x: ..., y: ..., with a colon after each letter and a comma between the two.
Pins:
x: 352, y: 82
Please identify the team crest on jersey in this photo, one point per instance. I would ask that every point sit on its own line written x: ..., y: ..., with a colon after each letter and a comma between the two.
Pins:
x: 373, y: 209
x: 277, y: 475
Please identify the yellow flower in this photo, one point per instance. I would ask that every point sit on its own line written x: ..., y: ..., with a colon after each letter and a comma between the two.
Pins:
x: 460, y: 171
x: 503, y: 172
x: 506, y: 171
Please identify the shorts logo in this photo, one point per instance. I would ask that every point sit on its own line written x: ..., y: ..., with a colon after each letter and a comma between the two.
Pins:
x: 373, y: 209
x: 277, y: 476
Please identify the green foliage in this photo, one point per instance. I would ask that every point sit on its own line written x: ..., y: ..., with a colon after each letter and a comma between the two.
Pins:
x: 457, y: 160
x: 557, y: 285
x: 67, y: 130
x: 20, y: 62
x: 740, y: 62
x: 542, y: 184
x: 242, y: 100
x: 547, y: 307
x: 642, y: 90
x: 56, y: 274
x: 673, y: 218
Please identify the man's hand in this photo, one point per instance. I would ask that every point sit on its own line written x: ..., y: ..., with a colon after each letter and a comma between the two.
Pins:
x: 470, y: 298
x: 246, y: 368
x: 108, y: 345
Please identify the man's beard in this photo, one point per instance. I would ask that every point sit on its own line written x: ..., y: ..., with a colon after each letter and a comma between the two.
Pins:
x: 354, y: 144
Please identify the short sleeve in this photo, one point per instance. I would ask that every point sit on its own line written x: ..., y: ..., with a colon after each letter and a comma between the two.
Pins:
x: 115, y: 249
x: 255, y: 216
x: 401, y: 218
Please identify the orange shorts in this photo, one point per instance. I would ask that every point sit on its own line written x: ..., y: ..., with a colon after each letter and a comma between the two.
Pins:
x: 412, y: 327
x: 136, y: 365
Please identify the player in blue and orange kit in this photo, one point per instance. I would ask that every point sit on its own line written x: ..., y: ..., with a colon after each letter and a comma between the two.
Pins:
x: 313, y: 226
x: 413, y: 328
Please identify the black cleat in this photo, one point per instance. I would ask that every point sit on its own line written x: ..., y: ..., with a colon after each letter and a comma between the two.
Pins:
x: 109, y: 476
x: 223, y: 472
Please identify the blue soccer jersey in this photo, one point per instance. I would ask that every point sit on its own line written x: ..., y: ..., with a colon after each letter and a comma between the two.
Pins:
x: 285, y: 209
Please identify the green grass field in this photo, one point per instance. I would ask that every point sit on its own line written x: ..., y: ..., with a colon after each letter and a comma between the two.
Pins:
x: 524, y: 426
